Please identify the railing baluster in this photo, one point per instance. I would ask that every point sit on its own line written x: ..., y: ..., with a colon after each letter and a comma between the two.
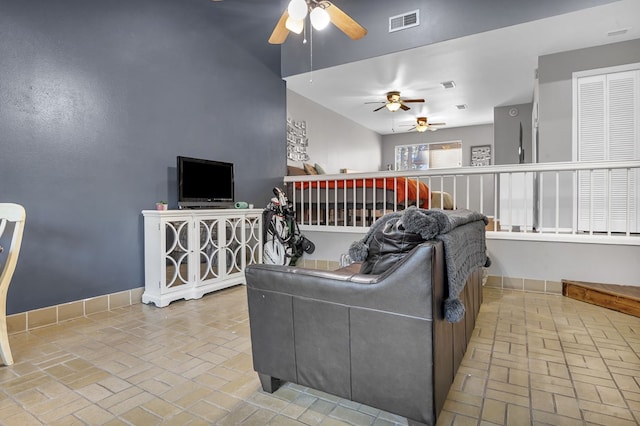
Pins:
x: 355, y: 201
x: 557, y: 202
x: 442, y: 193
x: 628, y: 212
x: 406, y: 192
x: 384, y: 196
x: 497, y: 217
x: 374, y: 208
x: 541, y: 202
x: 525, y: 202
x: 302, y: 191
x: 576, y: 205
x: 608, y: 210
x: 335, y: 203
x: 590, y: 202
x: 510, y: 183
x: 482, y: 193
x: 293, y: 196
x: 364, y: 202
x: 467, y: 193
x: 326, y: 203
x: 395, y: 191
x: 345, y: 210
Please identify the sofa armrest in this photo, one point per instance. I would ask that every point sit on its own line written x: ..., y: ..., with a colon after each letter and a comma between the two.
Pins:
x: 405, y: 288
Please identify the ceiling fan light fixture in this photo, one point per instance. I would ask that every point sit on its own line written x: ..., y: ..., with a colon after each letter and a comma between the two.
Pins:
x: 294, y: 25
x: 393, y: 106
x: 421, y: 124
x: 319, y: 18
x: 297, y: 9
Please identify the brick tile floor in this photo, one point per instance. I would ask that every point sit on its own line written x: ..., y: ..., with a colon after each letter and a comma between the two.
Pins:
x: 533, y: 359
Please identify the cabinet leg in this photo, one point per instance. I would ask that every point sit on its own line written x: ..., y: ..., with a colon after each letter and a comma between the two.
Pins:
x: 269, y: 384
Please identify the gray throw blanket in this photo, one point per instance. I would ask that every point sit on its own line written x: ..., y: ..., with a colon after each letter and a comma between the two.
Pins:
x: 462, y: 233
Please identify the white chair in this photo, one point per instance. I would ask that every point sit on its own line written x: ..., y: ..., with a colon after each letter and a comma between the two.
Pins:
x: 15, y: 214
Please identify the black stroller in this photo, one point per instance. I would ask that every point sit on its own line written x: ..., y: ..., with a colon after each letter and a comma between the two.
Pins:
x: 283, y: 242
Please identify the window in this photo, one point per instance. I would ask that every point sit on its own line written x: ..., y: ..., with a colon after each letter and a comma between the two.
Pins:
x: 427, y: 156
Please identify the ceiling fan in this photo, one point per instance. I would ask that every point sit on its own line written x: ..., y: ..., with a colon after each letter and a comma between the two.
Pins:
x: 394, y: 102
x: 320, y: 12
x: 422, y: 125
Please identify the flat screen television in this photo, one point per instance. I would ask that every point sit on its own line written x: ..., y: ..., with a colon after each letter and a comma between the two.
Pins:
x: 205, y: 183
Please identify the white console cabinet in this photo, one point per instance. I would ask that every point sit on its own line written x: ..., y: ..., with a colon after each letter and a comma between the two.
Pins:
x: 188, y: 253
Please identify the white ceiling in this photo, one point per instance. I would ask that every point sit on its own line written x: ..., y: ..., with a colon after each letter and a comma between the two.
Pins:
x: 490, y: 69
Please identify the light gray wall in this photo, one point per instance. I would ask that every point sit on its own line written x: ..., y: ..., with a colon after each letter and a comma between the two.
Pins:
x: 555, y: 85
x: 441, y: 20
x: 470, y: 136
x: 506, y: 130
x: 96, y: 101
x: 600, y: 263
x: 555, y: 73
x: 335, y: 142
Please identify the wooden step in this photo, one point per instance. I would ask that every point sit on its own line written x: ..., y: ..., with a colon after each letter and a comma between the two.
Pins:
x: 621, y: 298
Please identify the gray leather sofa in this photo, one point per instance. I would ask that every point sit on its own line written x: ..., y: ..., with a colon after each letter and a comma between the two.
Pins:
x: 380, y: 340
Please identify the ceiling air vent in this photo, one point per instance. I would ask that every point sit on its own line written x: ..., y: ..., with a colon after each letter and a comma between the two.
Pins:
x: 461, y: 106
x: 404, y: 21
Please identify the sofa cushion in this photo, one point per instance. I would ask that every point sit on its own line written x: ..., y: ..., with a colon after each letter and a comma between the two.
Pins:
x: 295, y: 171
x: 309, y: 169
x: 319, y: 169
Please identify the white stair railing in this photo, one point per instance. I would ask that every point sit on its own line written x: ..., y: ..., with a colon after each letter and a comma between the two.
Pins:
x: 544, y: 201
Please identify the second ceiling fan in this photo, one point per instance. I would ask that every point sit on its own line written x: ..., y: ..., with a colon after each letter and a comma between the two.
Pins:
x: 321, y: 13
x: 422, y: 125
x: 394, y: 102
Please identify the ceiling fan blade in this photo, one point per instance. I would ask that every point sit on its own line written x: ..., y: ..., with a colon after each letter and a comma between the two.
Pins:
x: 379, y: 102
x: 404, y: 107
x: 344, y: 22
x: 413, y: 100
x: 437, y: 124
x: 280, y: 32
x: 378, y: 109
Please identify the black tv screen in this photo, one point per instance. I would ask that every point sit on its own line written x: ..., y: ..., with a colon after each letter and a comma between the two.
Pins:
x: 205, y: 183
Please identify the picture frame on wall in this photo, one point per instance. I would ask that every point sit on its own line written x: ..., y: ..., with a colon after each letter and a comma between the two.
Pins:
x: 481, y: 155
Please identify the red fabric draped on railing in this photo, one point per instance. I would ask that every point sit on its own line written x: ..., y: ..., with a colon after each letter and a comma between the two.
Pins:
x: 404, y: 188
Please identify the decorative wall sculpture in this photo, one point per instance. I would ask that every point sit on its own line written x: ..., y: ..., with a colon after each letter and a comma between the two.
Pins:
x: 297, y: 140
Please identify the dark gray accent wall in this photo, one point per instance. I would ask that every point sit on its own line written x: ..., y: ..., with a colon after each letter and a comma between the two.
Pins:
x: 96, y: 101
x: 506, y: 138
x: 440, y: 21
x: 555, y: 73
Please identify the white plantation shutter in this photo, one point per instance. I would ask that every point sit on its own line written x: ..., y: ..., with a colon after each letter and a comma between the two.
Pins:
x: 607, y: 128
x: 623, y: 145
x: 591, y: 140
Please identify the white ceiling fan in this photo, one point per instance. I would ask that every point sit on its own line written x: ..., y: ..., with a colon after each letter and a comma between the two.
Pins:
x: 422, y: 125
x: 395, y: 102
x: 321, y: 13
